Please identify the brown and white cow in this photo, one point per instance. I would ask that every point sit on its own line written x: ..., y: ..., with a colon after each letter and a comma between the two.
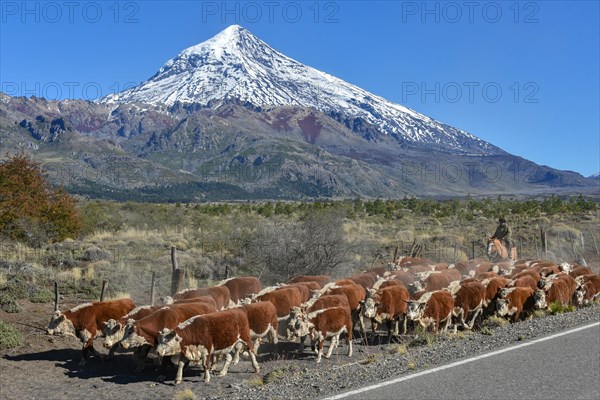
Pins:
x: 200, y: 338
x: 200, y: 299
x: 322, y: 280
x: 555, y: 291
x: 263, y: 322
x: 405, y: 277
x: 322, y: 325
x: 355, y: 294
x: 366, y: 279
x: 469, y: 299
x: 143, y: 332
x: 588, y: 289
x: 514, y: 301
x: 219, y: 293
x: 114, y: 329
x: 326, y: 301
x: 284, y: 299
x: 432, y: 309
x: 579, y: 270
x: 86, y: 320
x: 524, y: 281
x: 439, y: 280
x: 387, y: 305
x: 241, y: 287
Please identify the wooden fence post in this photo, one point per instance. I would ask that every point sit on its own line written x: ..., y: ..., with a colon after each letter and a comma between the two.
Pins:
x: 174, y: 258
x: 177, y: 282
x: 473, y: 249
x: 55, y: 296
x: 544, y: 244
x: 104, y: 285
x: 152, y: 286
x: 178, y: 273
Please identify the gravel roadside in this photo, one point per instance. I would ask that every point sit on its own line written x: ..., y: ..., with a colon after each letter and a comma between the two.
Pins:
x: 379, y: 363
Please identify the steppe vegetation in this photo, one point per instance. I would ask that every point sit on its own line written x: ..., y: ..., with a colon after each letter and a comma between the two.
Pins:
x: 125, y: 242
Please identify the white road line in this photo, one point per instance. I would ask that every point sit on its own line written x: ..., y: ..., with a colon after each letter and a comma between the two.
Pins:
x: 457, y: 363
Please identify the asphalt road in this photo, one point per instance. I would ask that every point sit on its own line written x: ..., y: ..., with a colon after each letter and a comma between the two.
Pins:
x: 554, y: 367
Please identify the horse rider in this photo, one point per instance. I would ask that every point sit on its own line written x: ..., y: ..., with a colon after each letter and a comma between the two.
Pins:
x: 503, y: 234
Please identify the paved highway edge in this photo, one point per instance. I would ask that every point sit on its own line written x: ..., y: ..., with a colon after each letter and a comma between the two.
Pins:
x: 460, y: 362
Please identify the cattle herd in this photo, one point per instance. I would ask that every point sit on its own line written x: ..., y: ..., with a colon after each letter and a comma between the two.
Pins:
x: 235, y: 316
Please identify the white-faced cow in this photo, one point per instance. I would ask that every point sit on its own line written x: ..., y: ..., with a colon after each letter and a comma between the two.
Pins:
x: 143, y: 332
x: 204, y: 336
x: 555, y: 291
x: 86, y: 321
x: 469, y: 298
x: 432, y: 309
x: 514, y: 301
x: 387, y: 305
x: 114, y: 329
x: 322, y: 325
x: 588, y: 289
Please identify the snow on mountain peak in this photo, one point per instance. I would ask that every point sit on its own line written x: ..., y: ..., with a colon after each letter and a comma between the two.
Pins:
x: 235, y: 64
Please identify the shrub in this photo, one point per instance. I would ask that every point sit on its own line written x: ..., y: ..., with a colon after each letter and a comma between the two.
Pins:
x: 557, y: 308
x: 16, y: 290
x: 33, y: 211
x: 495, y: 322
x: 9, y: 304
x: 42, y: 296
x: 9, y: 336
x: 93, y: 253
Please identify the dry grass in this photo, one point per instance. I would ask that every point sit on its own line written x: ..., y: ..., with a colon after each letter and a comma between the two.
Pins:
x: 401, y: 349
x: 119, y: 295
x: 184, y: 394
x: 495, y: 322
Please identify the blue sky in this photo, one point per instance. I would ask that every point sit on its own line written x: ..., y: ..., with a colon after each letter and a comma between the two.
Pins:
x: 521, y: 75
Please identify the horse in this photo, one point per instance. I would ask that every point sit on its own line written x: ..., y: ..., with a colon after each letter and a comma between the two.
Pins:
x: 497, y: 251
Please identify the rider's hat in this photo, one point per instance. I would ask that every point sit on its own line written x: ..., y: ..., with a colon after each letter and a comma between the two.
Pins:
x: 502, y: 220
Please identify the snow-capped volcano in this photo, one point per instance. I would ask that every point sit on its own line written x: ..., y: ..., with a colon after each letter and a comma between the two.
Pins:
x: 235, y: 64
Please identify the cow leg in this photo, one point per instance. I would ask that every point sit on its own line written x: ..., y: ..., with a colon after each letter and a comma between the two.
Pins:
x: 207, y: 368
x: 215, y: 361
x: 253, y: 359
x: 349, y: 343
x: 228, y: 359
x: 475, y: 316
x: 301, y: 345
x: 257, y: 343
x: 363, y: 330
x: 87, y: 347
x: 273, y: 336
x: 320, y: 350
x: 404, y: 323
x: 238, y: 350
x: 448, y: 322
x: 332, y: 345
x: 179, y: 375
x: 140, y: 353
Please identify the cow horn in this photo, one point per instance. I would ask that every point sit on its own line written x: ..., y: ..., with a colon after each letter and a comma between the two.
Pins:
x: 55, y: 296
